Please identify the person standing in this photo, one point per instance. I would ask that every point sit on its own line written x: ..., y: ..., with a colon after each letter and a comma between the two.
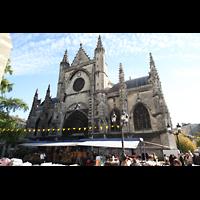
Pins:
x: 154, y: 157
x: 181, y: 159
x: 147, y: 156
x: 166, y: 159
x: 190, y: 160
x: 42, y: 155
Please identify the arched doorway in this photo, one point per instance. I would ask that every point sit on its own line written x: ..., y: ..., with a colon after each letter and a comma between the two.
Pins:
x: 76, y: 126
x: 141, y: 118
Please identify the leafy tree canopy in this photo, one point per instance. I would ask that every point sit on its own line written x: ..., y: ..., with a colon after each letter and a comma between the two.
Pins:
x: 8, y: 131
x: 185, y: 143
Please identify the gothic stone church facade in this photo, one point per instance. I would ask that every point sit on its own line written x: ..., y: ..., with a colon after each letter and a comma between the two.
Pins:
x: 86, y: 100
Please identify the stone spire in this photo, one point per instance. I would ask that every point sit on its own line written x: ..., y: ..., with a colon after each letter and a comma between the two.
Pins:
x: 121, y: 73
x: 99, y: 45
x: 151, y: 60
x: 65, y: 58
x: 122, y: 88
x: 48, y: 91
x: 153, y: 70
x: 123, y: 93
x: 35, y: 103
x: 36, y: 94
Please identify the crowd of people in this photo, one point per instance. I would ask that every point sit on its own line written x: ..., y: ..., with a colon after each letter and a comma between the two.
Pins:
x: 188, y: 159
x: 144, y: 159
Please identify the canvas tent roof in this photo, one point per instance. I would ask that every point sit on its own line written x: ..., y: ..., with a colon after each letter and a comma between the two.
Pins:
x: 129, y: 143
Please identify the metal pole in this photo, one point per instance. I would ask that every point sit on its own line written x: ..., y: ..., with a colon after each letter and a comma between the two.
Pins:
x: 178, y: 143
x: 140, y: 149
x: 144, y: 152
x: 122, y: 140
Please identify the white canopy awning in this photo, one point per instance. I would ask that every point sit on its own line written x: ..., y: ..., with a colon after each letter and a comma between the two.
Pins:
x: 51, y: 144
x: 61, y: 144
x: 110, y: 144
x: 31, y: 144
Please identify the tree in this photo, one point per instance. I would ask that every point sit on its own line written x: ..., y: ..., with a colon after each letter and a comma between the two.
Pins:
x: 197, y: 134
x: 8, y: 131
x: 185, y: 143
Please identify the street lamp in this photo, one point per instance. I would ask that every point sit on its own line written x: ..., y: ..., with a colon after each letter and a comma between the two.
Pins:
x: 179, y: 131
x: 168, y: 127
x: 178, y: 127
x: 124, y: 122
x: 113, y: 117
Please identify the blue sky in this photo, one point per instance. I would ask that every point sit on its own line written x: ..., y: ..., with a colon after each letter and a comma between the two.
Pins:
x: 35, y: 59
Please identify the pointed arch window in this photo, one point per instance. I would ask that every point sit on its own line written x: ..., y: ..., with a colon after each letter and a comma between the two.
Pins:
x: 141, y: 118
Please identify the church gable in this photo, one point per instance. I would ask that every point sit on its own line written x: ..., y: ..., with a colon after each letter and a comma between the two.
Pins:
x: 81, y: 57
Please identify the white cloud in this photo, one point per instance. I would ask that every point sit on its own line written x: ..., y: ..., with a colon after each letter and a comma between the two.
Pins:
x: 46, y: 49
x: 180, y: 42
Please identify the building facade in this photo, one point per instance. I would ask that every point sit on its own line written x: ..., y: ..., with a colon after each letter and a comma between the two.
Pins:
x: 5, y: 48
x: 86, y: 99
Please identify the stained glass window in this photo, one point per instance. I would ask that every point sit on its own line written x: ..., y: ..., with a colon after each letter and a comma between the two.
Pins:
x: 78, y: 84
x: 141, y: 118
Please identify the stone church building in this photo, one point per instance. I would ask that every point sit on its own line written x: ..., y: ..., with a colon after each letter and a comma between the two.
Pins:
x: 86, y: 100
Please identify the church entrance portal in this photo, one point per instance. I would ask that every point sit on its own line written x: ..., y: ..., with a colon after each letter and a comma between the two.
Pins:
x: 76, y: 126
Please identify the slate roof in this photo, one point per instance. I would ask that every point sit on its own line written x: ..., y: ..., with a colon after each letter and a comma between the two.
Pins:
x: 53, y: 100
x: 132, y: 83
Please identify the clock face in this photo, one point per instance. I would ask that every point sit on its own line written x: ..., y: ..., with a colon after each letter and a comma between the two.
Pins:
x: 79, y: 83
x: 79, y: 74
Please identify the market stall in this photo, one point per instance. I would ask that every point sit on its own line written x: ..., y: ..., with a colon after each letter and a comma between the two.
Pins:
x: 73, y: 156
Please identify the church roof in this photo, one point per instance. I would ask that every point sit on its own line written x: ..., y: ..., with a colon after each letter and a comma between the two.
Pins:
x: 132, y: 83
x: 53, y: 100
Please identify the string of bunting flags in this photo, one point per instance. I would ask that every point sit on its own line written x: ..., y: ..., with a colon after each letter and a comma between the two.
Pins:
x: 63, y: 129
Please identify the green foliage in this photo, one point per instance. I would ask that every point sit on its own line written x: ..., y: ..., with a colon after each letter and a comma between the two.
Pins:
x: 198, y: 143
x: 9, y: 132
x: 5, y: 84
x: 12, y: 135
x: 11, y: 104
x: 197, y: 134
x: 185, y: 143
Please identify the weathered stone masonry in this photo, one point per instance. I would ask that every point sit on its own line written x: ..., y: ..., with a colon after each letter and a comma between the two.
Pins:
x: 86, y: 98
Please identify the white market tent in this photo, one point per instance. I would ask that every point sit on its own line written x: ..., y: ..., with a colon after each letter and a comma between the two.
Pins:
x: 110, y: 144
x: 40, y: 144
x: 129, y: 143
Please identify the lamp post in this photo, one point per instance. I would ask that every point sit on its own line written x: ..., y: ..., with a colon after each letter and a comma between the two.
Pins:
x: 179, y: 131
x: 168, y: 127
x: 124, y: 122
